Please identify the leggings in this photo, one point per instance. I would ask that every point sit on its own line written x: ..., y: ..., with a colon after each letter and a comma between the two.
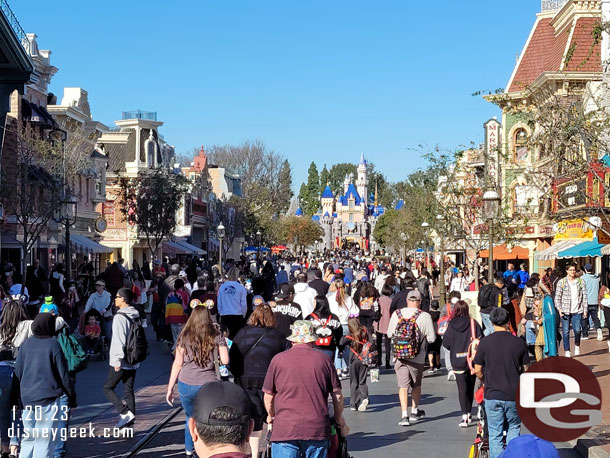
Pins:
x: 380, y: 338
x: 465, y: 384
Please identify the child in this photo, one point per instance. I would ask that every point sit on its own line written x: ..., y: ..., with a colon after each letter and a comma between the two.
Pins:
x: 175, y: 315
x: 355, y: 340
x: 92, y: 336
x: 434, y: 349
x: 70, y: 303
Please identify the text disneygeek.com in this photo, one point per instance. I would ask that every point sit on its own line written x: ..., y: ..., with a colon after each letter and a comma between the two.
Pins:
x: 64, y: 434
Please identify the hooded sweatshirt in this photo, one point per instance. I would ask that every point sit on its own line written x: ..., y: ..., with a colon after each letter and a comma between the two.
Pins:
x: 305, y: 296
x: 120, y: 329
x: 458, y: 338
x: 42, y: 363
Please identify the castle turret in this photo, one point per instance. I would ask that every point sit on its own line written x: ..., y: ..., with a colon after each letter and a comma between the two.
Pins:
x: 362, y: 182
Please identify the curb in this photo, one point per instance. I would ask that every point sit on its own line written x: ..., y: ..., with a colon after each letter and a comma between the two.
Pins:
x: 592, y: 444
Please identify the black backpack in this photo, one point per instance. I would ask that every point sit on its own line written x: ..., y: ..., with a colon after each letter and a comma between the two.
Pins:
x: 422, y: 286
x: 136, y: 345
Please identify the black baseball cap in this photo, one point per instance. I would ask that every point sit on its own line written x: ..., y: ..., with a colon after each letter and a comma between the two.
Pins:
x: 499, y: 316
x: 221, y: 394
x: 286, y: 289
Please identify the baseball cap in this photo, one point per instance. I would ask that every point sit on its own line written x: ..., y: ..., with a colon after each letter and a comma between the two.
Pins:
x: 100, y: 283
x: 499, y: 316
x: 588, y: 267
x: 286, y: 290
x: 414, y: 295
x: 221, y: 394
x: 529, y: 446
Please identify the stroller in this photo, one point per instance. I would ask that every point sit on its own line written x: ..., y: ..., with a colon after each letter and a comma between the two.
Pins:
x: 104, y: 344
x: 480, y: 446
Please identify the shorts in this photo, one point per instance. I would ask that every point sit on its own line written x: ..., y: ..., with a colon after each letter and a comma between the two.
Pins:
x: 408, y: 374
x: 435, y: 347
x: 257, y: 407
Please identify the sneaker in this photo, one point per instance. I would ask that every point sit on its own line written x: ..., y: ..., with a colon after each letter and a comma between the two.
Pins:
x: 126, y: 419
x: 417, y: 416
x: 567, y: 354
x: 576, y: 350
x: 584, y: 337
x: 431, y: 372
x: 479, y: 413
x: 451, y: 376
x: 404, y: 421
x: 187, y: 453
x: 352, y: 408
x: 363, y: 405
x: 469, y: 418
x: 464, y: 422
x: 600, y: 335
x: 144, y: 324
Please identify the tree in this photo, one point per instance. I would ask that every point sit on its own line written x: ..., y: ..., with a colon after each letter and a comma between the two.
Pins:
x: 296, y: 231
x: 37, y: 175
x: 284, y: 193
x: 150, y: 202
x: 259, y: 170
x: 324, y: 178
x: 336, y: 176
x: 309, y: 196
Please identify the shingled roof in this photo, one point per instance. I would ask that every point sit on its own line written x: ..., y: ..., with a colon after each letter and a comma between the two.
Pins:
x: 119, y: 153
x: 548, y: 51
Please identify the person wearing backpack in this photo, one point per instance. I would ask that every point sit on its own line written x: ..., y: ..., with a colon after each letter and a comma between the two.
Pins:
x: 461, y: 333
x: 327, y: 327
x: 411, y: 330
x: 120, y: 368
x: 360, y: 358
x: 424, y: 286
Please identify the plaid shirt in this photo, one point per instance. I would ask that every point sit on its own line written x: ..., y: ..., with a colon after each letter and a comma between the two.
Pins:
x: 563, y: 296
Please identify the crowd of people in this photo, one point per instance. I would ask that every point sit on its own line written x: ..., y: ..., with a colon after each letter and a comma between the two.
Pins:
x: 287, y: 331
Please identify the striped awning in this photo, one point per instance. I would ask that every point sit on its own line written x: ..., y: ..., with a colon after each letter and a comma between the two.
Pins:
x: 552, y: 251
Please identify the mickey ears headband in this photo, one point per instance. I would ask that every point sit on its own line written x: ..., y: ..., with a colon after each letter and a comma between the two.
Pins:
x: 209, y: 303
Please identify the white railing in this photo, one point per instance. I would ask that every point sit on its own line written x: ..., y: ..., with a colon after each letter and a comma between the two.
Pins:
x: 552, y: 5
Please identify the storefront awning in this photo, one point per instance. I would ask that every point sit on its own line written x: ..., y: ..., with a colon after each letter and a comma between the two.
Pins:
x: 174, y: 248
x: 552, y: 251
x: 591, y: 248
x: 191, y: 248
x: 86, y: 245
x: 503, y: 253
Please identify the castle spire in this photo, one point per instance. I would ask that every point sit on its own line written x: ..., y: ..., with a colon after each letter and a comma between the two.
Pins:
x: 375, y: 194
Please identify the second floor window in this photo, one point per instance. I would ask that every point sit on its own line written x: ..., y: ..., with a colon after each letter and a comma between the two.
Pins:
x: 520, y: 142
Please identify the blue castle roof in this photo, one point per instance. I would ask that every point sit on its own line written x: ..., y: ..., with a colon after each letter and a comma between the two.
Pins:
x: 351, y: 192
x: 316, y: 218
x: 299, y: 212
x: 326, y: 215
x: 400, y: 204
x: 327, y: 193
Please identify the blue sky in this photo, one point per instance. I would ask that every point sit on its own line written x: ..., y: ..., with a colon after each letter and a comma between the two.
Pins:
x: 315, y: 80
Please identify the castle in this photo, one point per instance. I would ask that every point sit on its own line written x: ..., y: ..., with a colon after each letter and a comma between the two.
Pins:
x: 349, y: 220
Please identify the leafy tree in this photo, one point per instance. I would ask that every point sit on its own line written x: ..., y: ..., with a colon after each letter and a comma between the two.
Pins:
x: 296, y: 231
x: 324, y: 178
x: 309, y: 195
x: 284, y: 193
x: 149, y: 203
x: 336, y: 176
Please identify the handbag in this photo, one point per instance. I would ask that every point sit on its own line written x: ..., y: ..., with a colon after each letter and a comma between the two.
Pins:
x: 472, y: 347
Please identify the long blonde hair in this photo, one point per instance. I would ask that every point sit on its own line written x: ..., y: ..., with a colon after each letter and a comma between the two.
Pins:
x: 338, y: 285
x: 198, y: 336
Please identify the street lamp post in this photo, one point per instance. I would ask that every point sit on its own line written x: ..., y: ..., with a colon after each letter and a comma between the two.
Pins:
x: 403, y: 251
x: 67, y: 217
x: 258, y: 239
x: 443, y: 286
x: 491, y: 203
x: 425, y: 227
x: 220, y: 231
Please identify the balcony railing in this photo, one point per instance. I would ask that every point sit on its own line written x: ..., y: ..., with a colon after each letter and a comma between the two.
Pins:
x: 552, y: 5
x: 14, y: 23
x: 139, y: 114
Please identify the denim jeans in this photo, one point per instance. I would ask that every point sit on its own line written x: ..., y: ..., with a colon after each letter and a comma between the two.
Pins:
x: 343, y: 362
x: 187, y: 398
x: 39, y: 426
x: 6, y: 414
x: 592, y: 320
x: 298, y: 449
x: 447, y: 357
x: 488, y: 327
x: 498, y: 413
x: 567, y: 319
x: 63, y: 416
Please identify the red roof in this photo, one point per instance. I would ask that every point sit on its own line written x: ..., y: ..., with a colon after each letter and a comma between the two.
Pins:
x: 547, y: 52
x: 199, y: 162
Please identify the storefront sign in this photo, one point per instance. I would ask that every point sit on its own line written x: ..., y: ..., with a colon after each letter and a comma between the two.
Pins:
x: 571, y: 194
x: 603, y: 234
x: 492, y: 142
x: 108, y: 213
x: 574, y: 229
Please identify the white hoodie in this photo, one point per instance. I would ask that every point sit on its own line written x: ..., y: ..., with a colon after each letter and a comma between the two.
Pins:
x: 305, y: 296
x: 342, y: 311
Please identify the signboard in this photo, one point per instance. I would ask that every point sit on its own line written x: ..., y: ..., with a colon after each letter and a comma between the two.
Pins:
x: 603, y: 234
x: 574, y: 229
x: 571, y: 194
x: 115, y: 235
x: 108, y: 213
x: 492, y: 145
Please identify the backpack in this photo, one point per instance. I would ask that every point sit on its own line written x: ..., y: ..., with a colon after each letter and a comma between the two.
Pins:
x: 368, y: 354
x: 324, y: 335
x: 136, y: 345
x: 443, y: 323
x: 485, y: 296
x: 72, y: 350
x: 406, y: 341
x: 422, y: 287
